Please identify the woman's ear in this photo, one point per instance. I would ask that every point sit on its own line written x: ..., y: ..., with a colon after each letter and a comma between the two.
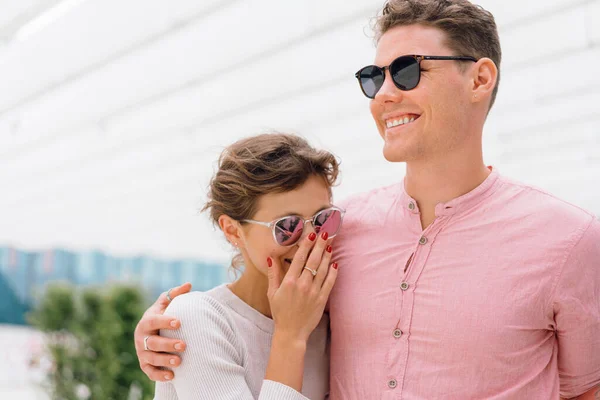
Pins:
x: 232, y: 230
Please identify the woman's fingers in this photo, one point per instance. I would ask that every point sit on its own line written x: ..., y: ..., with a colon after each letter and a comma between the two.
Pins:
x: 273, y: 276
x: 332, y: 272
x: 301, y: 257
x: 314, y: 260
x: 297, y: 304
x: 323, y: 266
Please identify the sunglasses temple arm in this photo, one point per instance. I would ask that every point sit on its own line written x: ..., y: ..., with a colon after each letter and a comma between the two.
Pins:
x: 267, y: 224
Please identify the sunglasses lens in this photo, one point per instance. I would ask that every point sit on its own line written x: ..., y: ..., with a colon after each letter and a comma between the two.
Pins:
x: 328, y: 221
x: 405, y: 72
x: 371, y: 80
x: 288, y: 230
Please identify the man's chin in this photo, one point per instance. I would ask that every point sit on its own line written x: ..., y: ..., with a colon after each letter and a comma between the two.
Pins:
x: 394, y: 155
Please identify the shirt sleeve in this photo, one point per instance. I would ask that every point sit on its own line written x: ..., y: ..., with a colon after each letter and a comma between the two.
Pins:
x: 577, y: 315
x: 164, y: 391
x: 212, y: 365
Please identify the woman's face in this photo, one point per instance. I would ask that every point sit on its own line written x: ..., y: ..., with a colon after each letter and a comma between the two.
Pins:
x: 305, y: 201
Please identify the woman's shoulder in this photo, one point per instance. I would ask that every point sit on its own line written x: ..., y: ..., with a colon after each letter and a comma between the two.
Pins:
x: 201, y: 311
x: 207, y: 328
x: 206, y: 302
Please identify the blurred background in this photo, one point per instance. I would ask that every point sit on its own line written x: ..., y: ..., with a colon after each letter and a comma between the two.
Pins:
x: 113, y: 113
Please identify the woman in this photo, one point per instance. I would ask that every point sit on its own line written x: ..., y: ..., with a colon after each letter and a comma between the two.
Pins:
x: 264, y: 335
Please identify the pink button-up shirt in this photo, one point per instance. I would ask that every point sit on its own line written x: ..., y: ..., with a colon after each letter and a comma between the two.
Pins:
x: 499, y: 298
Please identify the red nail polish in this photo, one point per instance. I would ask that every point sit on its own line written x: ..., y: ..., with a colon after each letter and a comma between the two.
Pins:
x: 329, y: 249
x: 312, y: 236
x: 335, y: 265
x: 325, y: 235
x: 269, y: 262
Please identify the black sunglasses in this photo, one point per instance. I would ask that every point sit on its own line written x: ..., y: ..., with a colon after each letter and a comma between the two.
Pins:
x: 405, y: 72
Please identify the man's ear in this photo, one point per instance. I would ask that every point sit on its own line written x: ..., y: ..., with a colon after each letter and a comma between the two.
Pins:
x: 232, y: 230
x: 484, y: 77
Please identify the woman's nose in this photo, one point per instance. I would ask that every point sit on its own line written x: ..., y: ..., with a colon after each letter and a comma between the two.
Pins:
x: 308, y: 229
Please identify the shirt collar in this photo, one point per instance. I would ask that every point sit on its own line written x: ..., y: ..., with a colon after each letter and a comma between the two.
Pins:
x: 464, y: 202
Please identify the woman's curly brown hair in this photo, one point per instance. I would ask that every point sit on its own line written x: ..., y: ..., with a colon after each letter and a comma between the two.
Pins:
x: 263, y: 164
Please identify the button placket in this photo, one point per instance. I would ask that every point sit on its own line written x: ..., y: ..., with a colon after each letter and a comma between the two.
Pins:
x: 417, y: 264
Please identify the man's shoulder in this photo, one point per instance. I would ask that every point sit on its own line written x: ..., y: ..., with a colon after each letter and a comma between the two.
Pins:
x: 370, y: 207
x: 536, y: 200
x: 375, y: 196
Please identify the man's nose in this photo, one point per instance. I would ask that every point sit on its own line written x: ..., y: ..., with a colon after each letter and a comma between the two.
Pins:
x: 388, y: 91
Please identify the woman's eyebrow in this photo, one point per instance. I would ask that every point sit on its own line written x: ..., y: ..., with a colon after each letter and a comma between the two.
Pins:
x: 287, y: 214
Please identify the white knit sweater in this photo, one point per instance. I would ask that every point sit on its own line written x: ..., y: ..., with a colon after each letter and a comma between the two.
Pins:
x: 228, y: 346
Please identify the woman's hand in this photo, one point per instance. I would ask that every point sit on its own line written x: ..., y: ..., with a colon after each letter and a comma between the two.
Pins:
x: 298, y: 301
x: 297, y: 305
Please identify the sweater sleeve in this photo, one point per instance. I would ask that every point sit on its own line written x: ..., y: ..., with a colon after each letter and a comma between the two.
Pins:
x: 212, y: 365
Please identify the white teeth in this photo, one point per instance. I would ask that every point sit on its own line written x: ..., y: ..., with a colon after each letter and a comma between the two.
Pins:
x: 401, y: 121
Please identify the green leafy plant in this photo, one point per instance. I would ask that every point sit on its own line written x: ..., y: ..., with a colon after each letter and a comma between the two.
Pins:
x: 89, y: 335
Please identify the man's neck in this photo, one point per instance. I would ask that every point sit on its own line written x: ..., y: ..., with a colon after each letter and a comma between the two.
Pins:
x: 439, y: 182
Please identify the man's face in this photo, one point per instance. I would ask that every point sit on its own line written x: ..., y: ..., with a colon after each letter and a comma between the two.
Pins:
x: 439, y: 105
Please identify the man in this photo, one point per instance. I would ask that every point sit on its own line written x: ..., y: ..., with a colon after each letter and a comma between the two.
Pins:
x: 457, y: 282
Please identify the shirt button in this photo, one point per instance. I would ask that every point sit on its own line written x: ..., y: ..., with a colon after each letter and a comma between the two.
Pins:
x: 404, y: 286
x: 423, y: 240
x: 397, y: 333
x: 411, y: 205
x: 392, y: 383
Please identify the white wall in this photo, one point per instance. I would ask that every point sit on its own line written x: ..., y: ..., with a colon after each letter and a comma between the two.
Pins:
x: 112, y: 113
